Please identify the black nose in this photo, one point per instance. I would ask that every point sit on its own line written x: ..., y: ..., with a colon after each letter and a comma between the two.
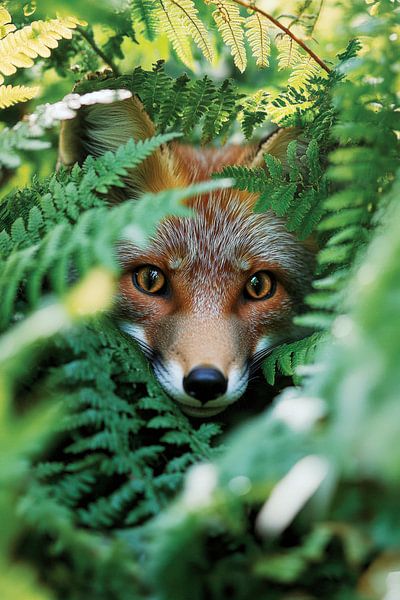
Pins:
x: 205, y: 384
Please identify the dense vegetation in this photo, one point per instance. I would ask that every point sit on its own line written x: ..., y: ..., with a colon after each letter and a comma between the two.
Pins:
x: 106, y: 489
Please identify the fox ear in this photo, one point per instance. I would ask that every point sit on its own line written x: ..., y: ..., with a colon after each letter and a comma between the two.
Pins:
x: 102, y: 127
x: 277, y: 144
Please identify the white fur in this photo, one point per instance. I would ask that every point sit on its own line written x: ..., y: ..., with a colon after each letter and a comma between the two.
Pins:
x: 170, y: 375
x: 134, y: 330
x: 265, y: 342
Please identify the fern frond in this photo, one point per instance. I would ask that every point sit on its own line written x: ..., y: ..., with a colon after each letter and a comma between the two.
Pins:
x: 170, y: 22
x: 289, y: 54
x: 194, y: 26
x: 279, y: 201
x: 258, y: 36
x: 300, y: 211
x: 251, y: 180
x: 286, y: 359
x: 19, y: 48
x: 154, y: 89
x: 221, y: 111
x: 144, y: 12
x: 173, y: 104
x: 230, y: 25
x: 254, y: 112
x: 6, y: 25
x: 287, y: 104
x: 201, y: 94
x: 302, y: 72
x: 10, y: 94
x: 289, y: 192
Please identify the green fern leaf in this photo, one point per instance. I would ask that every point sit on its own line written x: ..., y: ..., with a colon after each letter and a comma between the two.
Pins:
x: 143, y: 11
x: 173, y: 104
x: 347, y: 216
x: 275, y: 168
x: 153, y: 87
x: 255, y: 112
x: 349, y: 197
x: 347, y: 234
x: 299, y: 211
x: 109, y: 169
x: 201, y: 95
x: 251, y: 180
x: 221, y: 111
x: 335, y: 254
x: 279, y: 201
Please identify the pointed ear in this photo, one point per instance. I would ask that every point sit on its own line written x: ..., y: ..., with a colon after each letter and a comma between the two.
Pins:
x: 103, y: 127
x: 277, y: 144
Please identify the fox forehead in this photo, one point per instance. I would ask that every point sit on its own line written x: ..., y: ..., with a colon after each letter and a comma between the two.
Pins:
x: 220, y: 241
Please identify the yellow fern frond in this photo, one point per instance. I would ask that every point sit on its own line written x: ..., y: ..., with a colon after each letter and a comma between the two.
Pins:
x: 195, y: 27
x: 19, y: 48
x: 289, y: 53
x: 169, y: 18
x: 6, y: 26
x: 302, y: 73
x: 10, y: 94
x: 257, y: 33
x: 278, y: 113
x: 229, y: 22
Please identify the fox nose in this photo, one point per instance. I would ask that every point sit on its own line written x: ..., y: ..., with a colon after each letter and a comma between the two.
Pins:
x: 205, y: 384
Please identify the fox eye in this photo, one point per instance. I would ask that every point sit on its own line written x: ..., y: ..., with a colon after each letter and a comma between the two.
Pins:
x: 149, y: 279
x: 260, y: 286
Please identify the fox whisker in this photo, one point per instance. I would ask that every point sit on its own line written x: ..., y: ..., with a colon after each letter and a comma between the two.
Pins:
x: 258, y: 358
x: 146, y: 349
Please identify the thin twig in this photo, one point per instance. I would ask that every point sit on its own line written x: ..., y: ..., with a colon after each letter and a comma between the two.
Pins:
x: 317, y: 16
x: 90, y: 40
x: 286, y: 30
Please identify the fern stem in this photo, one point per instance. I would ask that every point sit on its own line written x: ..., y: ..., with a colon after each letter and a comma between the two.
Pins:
x: 107, y: 60
x: 285, y: 30
x: 317, y: 16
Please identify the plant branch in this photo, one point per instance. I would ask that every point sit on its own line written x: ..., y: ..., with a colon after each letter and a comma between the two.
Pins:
x: 90, y: 40
x: 285, y: 30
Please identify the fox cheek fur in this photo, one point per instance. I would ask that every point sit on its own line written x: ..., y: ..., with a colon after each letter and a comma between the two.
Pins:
x: 206, y: 321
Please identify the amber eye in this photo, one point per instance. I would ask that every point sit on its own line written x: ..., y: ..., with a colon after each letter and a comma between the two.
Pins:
x: 150, y: 279
x: 260, y: 286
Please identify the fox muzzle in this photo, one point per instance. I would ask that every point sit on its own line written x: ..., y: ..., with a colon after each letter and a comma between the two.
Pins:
x: 205, y: 384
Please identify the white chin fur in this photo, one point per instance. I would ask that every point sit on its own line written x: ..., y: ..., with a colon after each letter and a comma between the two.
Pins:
x: 170, y: 376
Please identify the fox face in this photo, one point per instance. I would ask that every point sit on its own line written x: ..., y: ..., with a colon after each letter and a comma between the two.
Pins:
x: 209, y: 296
x: 214, y: 292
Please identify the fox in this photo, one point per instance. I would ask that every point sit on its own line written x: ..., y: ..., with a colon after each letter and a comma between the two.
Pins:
x: 214, y: 292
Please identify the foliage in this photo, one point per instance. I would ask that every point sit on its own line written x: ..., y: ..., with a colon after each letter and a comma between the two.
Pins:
x: 19, y: 48
x: 337, y: 437
x: 86, y: 491
x: 65, y: 228
x: 194, y: 106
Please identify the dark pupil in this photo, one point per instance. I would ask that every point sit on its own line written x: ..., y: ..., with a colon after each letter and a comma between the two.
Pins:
x: 257, y: 284
x: 150, y: 279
